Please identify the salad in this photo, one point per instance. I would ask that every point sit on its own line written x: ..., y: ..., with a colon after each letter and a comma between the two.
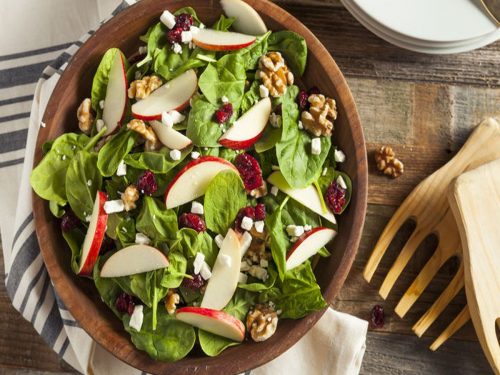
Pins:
x: 201, y: 184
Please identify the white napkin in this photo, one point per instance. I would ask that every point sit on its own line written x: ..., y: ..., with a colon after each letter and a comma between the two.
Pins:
x: 334, y: 346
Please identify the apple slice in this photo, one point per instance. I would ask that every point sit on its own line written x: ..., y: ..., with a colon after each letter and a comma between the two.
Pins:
x: 247, y: 21
x: 225, y: 273
x: 132, y: 260
x: 249, y: 127
x: 95, y: 235
x: 308, y: 245
x: 115, y: 102
x: 214, y: 40
x: 217, y: 322
x: 173, y: 95
x: 192, y: 181
x: 308, y: 196
x: 169, y: 136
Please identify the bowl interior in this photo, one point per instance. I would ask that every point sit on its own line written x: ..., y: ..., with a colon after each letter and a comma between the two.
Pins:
x: 79, y: 295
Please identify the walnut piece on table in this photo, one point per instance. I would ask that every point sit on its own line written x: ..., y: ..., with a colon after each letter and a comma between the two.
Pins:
x: 129, y: 197
x: 85, y: 116
x: 388, y: 163
x: 262, y: 321
x: 141, y: 88
x: 321, y: 115
x: 274, y: 73
x: 147, y: 132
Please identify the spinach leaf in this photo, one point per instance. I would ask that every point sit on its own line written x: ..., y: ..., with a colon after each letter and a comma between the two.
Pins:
x: 171, y: 341
x: 223, y: 23
x: 114, y: 151
x: 169, y: 64
x: 176, y: 270
x: 74, y: 238
x: 279, y: 240
x: 268, y: 140
x: 251, y: 97
x: 156, y: 161
x: 189, y: 243
x: 56, y: 210
x: 82, y: 182
x: 107, y: 288
x: 201, y: 128
x: 332, y: 175
x: 252, y: 53
x: 293, y: 46
x: 266, y: 160
x: 155, y: 221
x: 220, y: 211
x: 299, y: 167
x: 228, y: 154
x: 255, y: 285
x: 324, y: 253
x: 125, y: 232
x: 155, y: 38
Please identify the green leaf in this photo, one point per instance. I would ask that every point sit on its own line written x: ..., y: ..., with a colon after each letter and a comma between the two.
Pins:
x: 294, y: 48
x: 125, y: 232
x: 114, y: 151
x: 223, y: 23
x: 255, y: 285
x: 202, y: 129
x: 252, y: 53
x: 107, y: 288
x: 251, y: 97
x: 156, y: 161
x: 74, y: 238
x: 298, y: 165
x: 220, y: 211
x: 324, y: 253
x: 176, y: 270
x: 331, y: 175
x: 155, y: 38
x: 189, y: 243
x: 279, y: 240
x: 169, y: 64
x: 155, y: 221
x: 82, y: 182
x: 56, y: 210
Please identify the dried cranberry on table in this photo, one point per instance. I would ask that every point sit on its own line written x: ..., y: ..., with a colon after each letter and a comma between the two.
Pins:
x: 250, y: 171
x: 125, y: 303
x: 69, y: 221
x: 224, y: 113
x: 193, y: 221
x: 335, y: 197
x: 195, y: 283
x: 146, y: 183
x: 378, y: 316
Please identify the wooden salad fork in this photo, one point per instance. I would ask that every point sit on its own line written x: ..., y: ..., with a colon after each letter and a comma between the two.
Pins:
x: 428, y: 206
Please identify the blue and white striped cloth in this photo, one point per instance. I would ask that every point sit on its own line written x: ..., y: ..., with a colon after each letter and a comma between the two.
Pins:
x: 27, y: 79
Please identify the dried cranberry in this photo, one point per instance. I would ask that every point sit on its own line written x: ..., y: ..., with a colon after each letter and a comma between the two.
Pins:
x: 250, y: 171
x: 125, y: 303
x: 107, y: 245
x: 69, y: 221
x: 278, y: 110
x: 193, y: 221
x: 302, y: 100
x: 378, y: 317
x: 195, y: 283
x: 184, y: 21
x: 224, y: 113
x: 146, y: 183
x: 248, y: 211
x: 260, y: 211
x: 335, y: 197
x: 174, y: 35
x: 313, y: 91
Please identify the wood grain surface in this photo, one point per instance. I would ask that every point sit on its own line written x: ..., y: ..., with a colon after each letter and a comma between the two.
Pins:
x: 424, y: 107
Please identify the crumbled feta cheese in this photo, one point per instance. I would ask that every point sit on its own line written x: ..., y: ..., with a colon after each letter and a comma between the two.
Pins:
x: 168, y: 19
x: 275, y: 168
x: 218, y: 240
x: 316, y: 146
x: 63, y: 157
x: 197, y: 208
x: 89, y: 182
x: 224, y: 99
x: 202, y: 26
x: 141, y: 238
x: 99, y: 124
x: 295, y: 230
x: 191, y: 45
x: 246, y: 241
x: 244, y: 266
x: 258, y: 272
x: 137, y: 318
x: 275, y: 190
x: 137, y: 74
x: 263, y: 91
x: 143, y: 50
x: 225, y: 260
x: 205, y: 271
x: 198, y: 262
x: 259, y: 226
x: 205, y: 148
x: 175, y: 155
x: 307, y: 228
x: 186, y: 36
x: 325, y: 171
x: 339, y: 156
x: 176, y: 117
x: 264, y: 263
x: 275, y: 120
x: 42, y: 124
x: 294, y: 239
x: 87, y: 218
x: 122, y: 169
x: 166, y: 119
x: 242, y: 278
x: 300, y: 125
x: 177, y: 48
x: 112, y: 207
x: 195, y: 155
x: 247, y: 223
x: 341, y: 182
x: 101, y: 104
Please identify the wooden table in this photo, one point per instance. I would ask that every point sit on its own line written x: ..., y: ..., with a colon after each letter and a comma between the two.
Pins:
x: 424, y: 106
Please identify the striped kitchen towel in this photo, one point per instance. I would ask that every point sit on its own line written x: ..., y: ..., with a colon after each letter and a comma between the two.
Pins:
x: 334, y: 346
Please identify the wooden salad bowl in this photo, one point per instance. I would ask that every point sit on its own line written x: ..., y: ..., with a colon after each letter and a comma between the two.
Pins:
x: 80, y: 296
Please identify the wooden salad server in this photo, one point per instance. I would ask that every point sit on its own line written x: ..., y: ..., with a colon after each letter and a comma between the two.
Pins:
x: 475, y: 202
x: 428, y: 206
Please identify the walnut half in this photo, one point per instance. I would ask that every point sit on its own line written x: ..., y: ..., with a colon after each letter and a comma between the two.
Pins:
x: 147, y: 132
x: 85, y: 116
x: 274, y: 73
x: 141, y: 88
x: 129, y: 197
x: 171, y: 301
x: 321, y: 115
x: 262, y: 321
x: 388, y: 163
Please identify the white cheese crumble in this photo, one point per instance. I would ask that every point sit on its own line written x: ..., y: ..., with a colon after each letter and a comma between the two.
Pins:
x: 307, y: 227
x: 325, y: 171
x: 143, y: 50
x: 142, y: 239
x: 89, y: 182
x: 168, y: 19
x: 244, y: 266
x: 112, y: 207
x: 258, y: 272
x: 242, y: 278
x: 176, y: 117
x: 198, y: 262
x: 137, y: 318
x: 205, y: 271
x: 259, y: 226
x: 341, y: 182
x: 275, y: 190
x: 197, y: 208
x: 175, y: 155
x: 316, y: 146
x: 166, y: 119
x: 264, y: 263
x: 195, y: 155
x: 122, y: 169
x: 275, y: 120
x: 339, y: 156
x: 263, y: 91
x: 225, y: 260
x: 87, y: 218
x: 218, y: 240
x: 295, y: 230
x: 177, y: 48
x: 101, y: 104
x: 246, y: 241
x: 301, y: 126
x: 224, y: 99
x: 186, y: 36
x: 247, y: 223
x: 99, y: 124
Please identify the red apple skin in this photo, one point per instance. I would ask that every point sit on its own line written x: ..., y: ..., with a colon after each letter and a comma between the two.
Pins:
x: 240, y: 145
x: 193, y: 163
x: 93, y: 253
x: 158, y: 117
x: 302, y: 239
x: 215, y: 314
x: 212, y: 47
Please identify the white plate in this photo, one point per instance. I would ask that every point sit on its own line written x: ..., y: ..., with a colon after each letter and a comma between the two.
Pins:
x: 431, y: 20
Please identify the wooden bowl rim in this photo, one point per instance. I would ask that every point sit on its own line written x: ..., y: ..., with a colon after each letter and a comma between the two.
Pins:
x: 138, y: 359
